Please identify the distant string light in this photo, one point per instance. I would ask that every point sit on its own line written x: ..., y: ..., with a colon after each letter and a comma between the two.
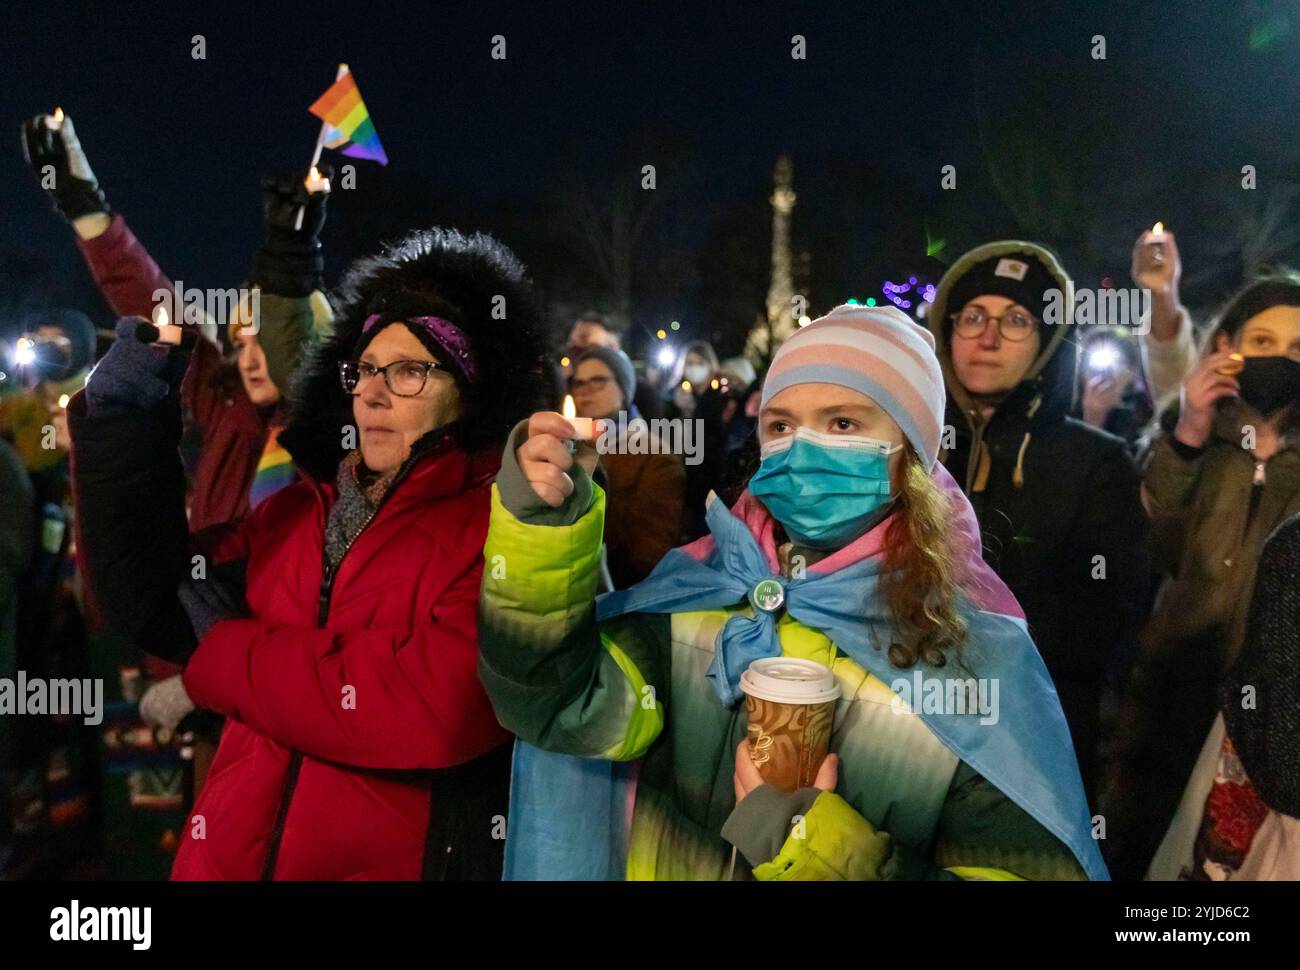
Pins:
x: 908, y: 294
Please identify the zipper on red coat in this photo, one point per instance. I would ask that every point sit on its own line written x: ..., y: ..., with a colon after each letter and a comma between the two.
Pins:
x: 322, y: 614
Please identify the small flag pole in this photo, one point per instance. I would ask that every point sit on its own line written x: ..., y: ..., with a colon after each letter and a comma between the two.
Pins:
x: 315, y: 156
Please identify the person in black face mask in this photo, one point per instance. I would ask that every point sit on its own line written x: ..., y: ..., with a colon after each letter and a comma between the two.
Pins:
x: 1222, y: 474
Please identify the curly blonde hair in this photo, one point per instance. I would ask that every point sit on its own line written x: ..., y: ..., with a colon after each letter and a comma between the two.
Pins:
x: 919, y: 580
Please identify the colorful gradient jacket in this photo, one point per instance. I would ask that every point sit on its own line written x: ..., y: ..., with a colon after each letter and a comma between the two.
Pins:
x: 634, y: 688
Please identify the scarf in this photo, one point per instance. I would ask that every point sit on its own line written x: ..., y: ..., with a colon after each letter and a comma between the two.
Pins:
x: 557, y: 801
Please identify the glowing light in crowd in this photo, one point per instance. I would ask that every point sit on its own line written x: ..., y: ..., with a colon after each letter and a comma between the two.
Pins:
x: 852, y: 301
x: 686, y: 385
x: 160, y: 317
x: 714, y: 384
x: 63, y: 400
x: 805, y: 320
x: 661, y: 333
x: 564, y: 361
x: 25, y: 353
x: 675, y: 325
x: 1104, y: 357
x: 871, y: 301
x: 55, y: 121
x: 666, y: 356
x: 1158, y: 230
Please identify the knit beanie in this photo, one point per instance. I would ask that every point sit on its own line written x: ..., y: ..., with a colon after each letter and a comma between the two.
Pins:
x: 1023, y: 276
x: 878, y: 351
x: 620, y: 365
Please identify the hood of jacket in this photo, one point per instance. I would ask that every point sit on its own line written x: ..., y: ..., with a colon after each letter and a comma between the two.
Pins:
x: 473, y: 281
x: 1047, y: 391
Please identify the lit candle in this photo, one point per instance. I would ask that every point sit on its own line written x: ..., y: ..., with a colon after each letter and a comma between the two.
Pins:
x: 316, y: 182
x: 63, y: 401
x: 585, y: 427
x: 1157, y: 242
x: 55, y: 121
x: 167, y: 334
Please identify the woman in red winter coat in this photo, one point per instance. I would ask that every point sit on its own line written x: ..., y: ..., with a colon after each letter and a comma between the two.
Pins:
x: 336, y: 625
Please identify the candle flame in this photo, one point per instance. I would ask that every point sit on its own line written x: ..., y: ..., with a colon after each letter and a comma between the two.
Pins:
x: 569, y: 410
x: 714, y: 384
x: 160, y: 317
x: 1158, y: 229
x: 58, y: 114
x: 686, y: 385
x: 63, y: 400
x: 315, y: 173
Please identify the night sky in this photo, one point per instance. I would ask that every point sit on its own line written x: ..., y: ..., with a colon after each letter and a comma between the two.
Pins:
x: 1049, y: 143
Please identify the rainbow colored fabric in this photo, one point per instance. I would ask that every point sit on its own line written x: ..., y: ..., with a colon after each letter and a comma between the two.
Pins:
x: 348, y: 121
x: 275, y: 470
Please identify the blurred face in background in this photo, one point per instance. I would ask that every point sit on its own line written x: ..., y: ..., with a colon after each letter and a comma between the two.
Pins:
x: 585, y: 335
x: 596, y: 393
x: 252, y: 369
x: 987, y: 363
x: 390, y: 424
x: 698, y: 371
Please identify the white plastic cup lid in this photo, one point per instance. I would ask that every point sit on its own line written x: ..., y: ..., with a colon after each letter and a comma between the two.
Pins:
x: 790, y: 680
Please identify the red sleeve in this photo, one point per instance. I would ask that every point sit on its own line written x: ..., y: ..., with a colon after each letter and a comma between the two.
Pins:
x: 415, y: 697
x: 201, y: 399
x: 123, y: 270
x: 128, y: 277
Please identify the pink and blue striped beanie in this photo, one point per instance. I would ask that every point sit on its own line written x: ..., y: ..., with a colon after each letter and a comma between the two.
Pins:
x: 878, y: 351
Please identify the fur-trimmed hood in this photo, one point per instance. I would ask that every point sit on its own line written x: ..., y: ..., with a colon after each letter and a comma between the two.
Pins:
x: 472, y: 280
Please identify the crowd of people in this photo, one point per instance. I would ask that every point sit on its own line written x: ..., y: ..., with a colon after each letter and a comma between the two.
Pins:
x: 371, y: 604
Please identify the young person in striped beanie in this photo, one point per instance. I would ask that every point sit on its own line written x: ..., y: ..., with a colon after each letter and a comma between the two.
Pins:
x: 854, y: 549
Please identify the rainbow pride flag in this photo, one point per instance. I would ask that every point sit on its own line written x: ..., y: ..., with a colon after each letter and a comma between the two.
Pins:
x: 347, y: 120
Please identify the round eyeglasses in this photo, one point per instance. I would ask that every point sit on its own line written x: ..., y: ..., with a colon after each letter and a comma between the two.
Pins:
x: 405, y: 378
x: 1015, y: 326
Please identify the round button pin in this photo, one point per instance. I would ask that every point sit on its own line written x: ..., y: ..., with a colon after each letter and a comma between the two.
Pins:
x: 768, y: 596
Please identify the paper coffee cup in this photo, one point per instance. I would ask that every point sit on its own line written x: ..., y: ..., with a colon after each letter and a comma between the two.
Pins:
x: 791, y: 707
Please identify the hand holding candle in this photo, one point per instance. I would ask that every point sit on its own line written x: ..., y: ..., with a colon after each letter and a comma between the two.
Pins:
x: 549, y: 452
x: 1157, y: 242
x: 1156, y: 265
x: 316, y: 182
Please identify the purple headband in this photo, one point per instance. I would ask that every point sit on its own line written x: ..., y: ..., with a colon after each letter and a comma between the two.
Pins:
x: 445, y: 334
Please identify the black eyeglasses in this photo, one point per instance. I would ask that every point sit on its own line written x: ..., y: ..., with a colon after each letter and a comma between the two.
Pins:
x: 405, y: 378
x: 1014, y: 326
x: 595, y: 383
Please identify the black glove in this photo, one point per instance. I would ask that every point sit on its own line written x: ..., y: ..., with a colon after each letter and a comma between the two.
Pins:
x: 134, y: 375
x: 74, y: 191
x: 290, y: 261
x: 208, y: 601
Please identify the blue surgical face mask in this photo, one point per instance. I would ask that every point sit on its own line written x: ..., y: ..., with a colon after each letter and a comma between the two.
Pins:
x: 824, y: 488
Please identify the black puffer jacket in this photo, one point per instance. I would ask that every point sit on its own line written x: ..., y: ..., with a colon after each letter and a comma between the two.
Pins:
x: 1059, y: 508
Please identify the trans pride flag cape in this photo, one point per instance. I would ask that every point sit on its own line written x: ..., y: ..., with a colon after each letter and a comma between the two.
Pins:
x: 558, y: 801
